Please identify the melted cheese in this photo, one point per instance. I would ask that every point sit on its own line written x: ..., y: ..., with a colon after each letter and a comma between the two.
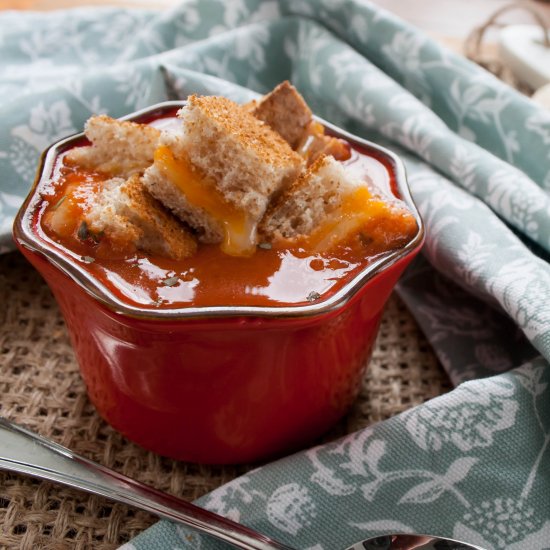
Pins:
x: 356, y: 209
x: 315, y: 143
x: 239, y: 229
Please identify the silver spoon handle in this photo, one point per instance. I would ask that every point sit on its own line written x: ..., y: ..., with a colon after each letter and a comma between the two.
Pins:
x: 27, y: 453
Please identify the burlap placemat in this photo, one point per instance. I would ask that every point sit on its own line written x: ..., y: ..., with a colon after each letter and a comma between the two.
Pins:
x: 42, y: 390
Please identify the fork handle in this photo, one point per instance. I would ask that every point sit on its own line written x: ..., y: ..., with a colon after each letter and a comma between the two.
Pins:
x: 25, y: 452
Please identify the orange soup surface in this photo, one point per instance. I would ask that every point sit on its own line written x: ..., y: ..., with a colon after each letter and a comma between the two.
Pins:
x: 275, y: 275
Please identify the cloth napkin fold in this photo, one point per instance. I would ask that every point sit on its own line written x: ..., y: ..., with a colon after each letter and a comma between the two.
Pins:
x: 473, y: 464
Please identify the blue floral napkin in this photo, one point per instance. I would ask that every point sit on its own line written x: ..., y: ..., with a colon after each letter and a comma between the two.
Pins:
x: 473, y: 464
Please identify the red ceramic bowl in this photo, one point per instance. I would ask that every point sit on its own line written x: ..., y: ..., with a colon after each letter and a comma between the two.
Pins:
x: 217, y: 384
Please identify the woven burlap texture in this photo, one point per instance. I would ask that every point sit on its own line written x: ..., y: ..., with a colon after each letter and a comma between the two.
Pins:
x: 42, y: 390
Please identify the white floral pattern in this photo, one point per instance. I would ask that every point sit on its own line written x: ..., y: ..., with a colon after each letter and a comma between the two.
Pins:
x: 404, y: 52
x: 46, y: 125
x: 479, y: 413
x: 503, y: 523
x: 290, y: 508
x: 521, y: 288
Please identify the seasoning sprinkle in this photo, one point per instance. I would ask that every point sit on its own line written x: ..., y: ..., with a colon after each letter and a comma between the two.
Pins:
x: 171, y: 281
x: 59, y: 202
x: 313, y: 296
x: 96, y: 237
x: 365, y: 240
x: 83, y: 233
x: 87, y: 259
x: 265, y: 246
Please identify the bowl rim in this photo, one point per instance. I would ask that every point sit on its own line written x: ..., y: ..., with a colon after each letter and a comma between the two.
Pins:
x: 27, y: 238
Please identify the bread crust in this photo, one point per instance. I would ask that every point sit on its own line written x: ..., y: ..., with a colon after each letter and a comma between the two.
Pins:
x: 118, y: 148
x: 285, y: 111
x: 127, y: 214
x: 306, y: 202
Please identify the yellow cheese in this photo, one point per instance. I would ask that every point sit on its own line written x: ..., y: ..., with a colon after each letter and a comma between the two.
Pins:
x: 356, y: 209
x: 239, y: 229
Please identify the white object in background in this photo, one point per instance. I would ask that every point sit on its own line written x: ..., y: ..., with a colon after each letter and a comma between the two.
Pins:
x: 523, y: 51
x: 542, y: 96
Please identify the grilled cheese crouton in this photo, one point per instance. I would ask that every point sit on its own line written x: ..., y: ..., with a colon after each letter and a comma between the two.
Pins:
x: 119, y: 148
x: 325, y: 206
x: 285, y: 111
x: 126, y: 214
x: 220, y: 172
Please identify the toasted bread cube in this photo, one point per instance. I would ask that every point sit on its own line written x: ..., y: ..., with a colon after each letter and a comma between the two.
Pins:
x: 119, y: 148
x: 285, y: 111
x: 306, y: 202
x: 128, y: 215
x: 326, y: 206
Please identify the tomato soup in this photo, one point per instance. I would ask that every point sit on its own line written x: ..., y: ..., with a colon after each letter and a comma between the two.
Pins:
x: 279, y: 274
